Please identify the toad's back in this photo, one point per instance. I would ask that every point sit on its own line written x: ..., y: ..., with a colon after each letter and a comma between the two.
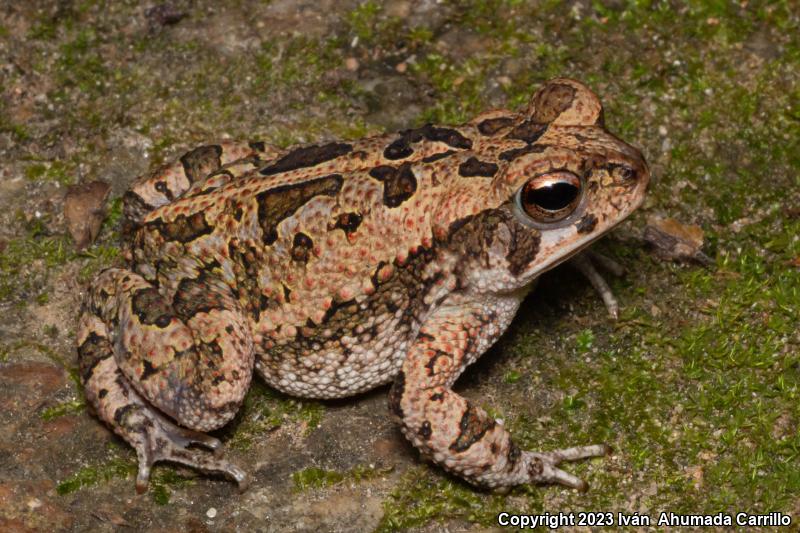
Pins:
x: 330, y: 248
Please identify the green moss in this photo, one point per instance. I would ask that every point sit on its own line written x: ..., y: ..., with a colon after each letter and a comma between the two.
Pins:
x: 89, y: 476
x: 316, y: 478
x: 162, y: 147
x: 45, y: 30
x: 741, y: 360
x: 81, y: 65
x: 162, y: 480
x: 265, y: 409
x: 373, y: 29
x: 459, y: 87
x: 422, y: 497
x: 584, y: 340
x: 58, y: 171
x: 70, y: 407
x: 489, y: 17
x: 97, y: 258
x: 302, y: 60
x: 419, y: 36
x: 18, y: 131
x: 363, y: 20
x: 26, y: 262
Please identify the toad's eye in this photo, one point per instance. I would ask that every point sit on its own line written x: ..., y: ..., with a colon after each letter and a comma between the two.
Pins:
x: 550, y: 197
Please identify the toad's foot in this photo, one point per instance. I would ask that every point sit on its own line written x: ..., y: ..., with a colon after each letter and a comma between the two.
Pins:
x: 160, y: 440
x: 543, y: 466
x: 157, y: 439
x: 153, y: 436
x: 585, y: 263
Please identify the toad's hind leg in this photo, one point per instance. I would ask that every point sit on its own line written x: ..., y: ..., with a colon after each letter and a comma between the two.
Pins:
x: 141, y: 357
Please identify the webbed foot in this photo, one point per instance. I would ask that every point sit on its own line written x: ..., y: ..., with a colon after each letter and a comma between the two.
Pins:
x: 157, y: 439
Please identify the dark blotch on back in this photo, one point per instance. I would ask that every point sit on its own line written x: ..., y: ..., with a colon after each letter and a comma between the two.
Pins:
x: 347, y: 222
x: 281, y: 202
x: 198, y: 295
x: 401, y: 147
x: 490, y: 126
x: 510, y: 155
x: 301, y: 247
x: 436, y: 157
x: 307, y: 156
x: 475, y: 167
x: 151, y: 308
x: 183, y: 228
x: 383, y: 172
x: 529, y: 131
x: 201, y: 161
x: 448, y: 136
x: 399, y: 183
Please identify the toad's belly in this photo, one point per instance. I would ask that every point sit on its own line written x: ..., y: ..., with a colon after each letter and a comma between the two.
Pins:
x: 333, y: 362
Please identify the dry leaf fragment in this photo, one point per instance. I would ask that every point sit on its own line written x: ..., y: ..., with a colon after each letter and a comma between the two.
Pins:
x: 84, y: 210
x: 675, y: 241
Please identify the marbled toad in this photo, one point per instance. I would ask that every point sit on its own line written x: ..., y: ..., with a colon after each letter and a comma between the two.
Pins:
x: 334, y: 268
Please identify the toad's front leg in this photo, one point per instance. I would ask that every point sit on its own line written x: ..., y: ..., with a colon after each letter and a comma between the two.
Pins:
x: 455, y: 433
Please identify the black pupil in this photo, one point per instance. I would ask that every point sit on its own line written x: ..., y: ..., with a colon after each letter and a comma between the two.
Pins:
x: 553, y: 196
